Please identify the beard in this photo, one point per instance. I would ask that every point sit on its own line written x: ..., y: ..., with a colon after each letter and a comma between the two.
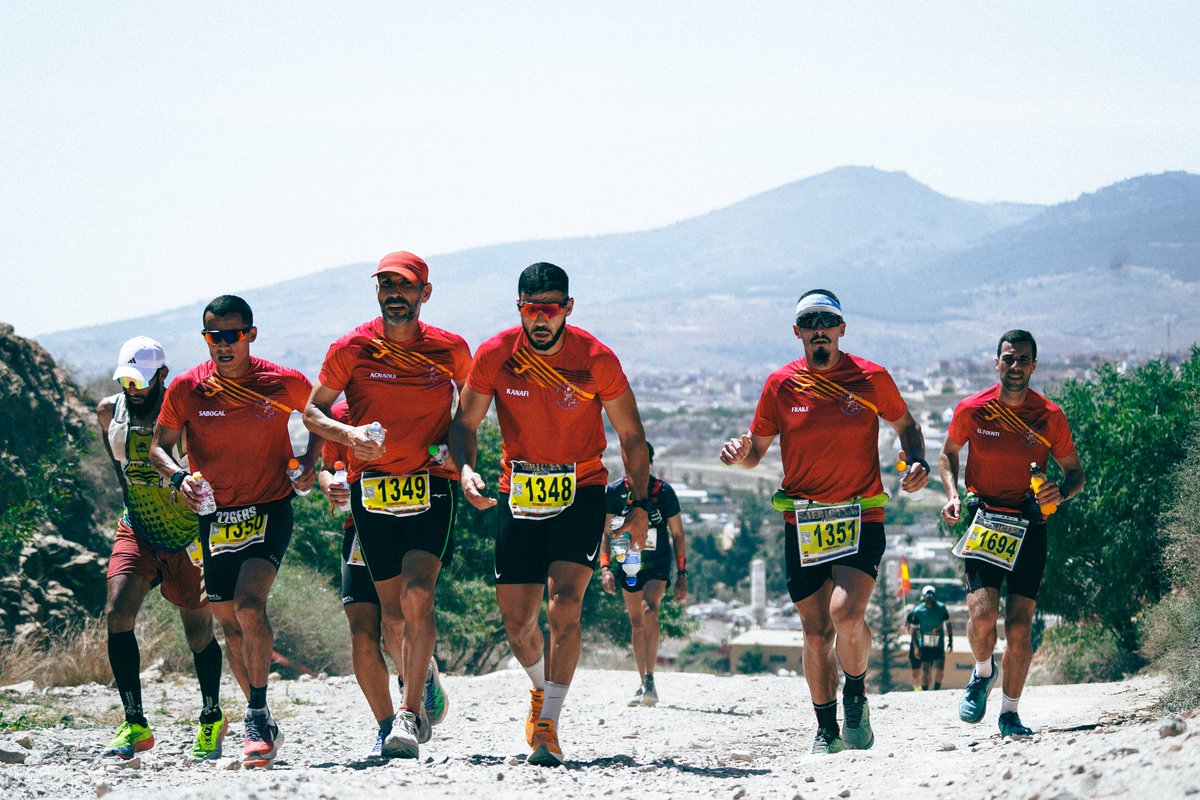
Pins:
x: 549, y: 344
x: 147, y: 404
x: 820, y: 356
x: 398, y: 317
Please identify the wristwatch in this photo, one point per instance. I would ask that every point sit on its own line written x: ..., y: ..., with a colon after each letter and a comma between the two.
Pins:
x: 679, y: 572
x: 177, y: 478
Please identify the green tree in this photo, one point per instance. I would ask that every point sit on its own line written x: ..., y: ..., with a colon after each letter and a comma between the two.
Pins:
x: 752, y: 661
x: 1106, y: 546
x: 33, y: 495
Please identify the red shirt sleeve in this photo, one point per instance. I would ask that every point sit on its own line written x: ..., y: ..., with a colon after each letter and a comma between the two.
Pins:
x: 335, y: 373
x: 765, y: 422
x: 1061, y: 442
x: 611, y: 380
x: 960, y: 424
x: 173, y: 411
x: 891, y: 404
x: 480, y: 377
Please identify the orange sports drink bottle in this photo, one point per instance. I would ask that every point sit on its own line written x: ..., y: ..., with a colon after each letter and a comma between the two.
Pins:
x: 1036, y: 479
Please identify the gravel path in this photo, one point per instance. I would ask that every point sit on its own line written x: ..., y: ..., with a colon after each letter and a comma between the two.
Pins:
x: 720, y: 737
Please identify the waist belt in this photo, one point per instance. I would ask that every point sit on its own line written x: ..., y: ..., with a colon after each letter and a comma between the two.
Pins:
x: 781, y: 501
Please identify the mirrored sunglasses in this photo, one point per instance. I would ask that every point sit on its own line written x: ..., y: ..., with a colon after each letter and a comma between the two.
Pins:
x: 133, y: 383
x: 226, y: 337
x: 533, y: 310
x: 818, y: 320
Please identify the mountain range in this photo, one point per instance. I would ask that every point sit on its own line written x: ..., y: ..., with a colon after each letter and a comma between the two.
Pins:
x: 922, y: 276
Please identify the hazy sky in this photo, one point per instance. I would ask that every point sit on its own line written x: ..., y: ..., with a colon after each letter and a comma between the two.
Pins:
x: 154, y: 154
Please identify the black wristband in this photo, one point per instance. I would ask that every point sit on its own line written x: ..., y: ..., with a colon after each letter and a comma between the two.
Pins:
x: 680, y: 572
x: 923, y: 463
x: 176, y: 479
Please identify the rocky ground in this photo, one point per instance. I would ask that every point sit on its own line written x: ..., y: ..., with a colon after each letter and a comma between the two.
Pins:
x: 721, y: 737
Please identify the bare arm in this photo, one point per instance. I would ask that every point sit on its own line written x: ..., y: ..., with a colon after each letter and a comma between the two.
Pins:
x: 1072, y: 484
x: 912, y: 443
x: 320, y: 420
x: 679, y: 542
x: 948, y: 466
x: 464, y: 444
x: 165, y: 440
x: 745, y: 451
x: 627, y: 422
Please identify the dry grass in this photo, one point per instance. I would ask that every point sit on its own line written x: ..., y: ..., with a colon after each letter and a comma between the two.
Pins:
x: 68, y: 659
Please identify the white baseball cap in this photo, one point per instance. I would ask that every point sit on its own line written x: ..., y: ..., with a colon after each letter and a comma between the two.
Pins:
x: 929, y: 590
x: 140, y: 358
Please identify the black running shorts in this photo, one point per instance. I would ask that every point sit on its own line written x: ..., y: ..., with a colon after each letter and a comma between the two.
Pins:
x: 357, y: 586
x: 1025, y: 578
x: 239, y: 534
x: 525, y: 548
x: 805, y: 581
x: 385, y: 538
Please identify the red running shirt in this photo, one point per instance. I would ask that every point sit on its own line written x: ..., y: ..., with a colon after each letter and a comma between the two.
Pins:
x: 549, y: 406
x: 407, y: 386
x: 1004, y: 440
x: 828, y: 431
x: 238, y: 439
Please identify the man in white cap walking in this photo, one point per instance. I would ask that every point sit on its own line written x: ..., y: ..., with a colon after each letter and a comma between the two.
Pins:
x: 934, y: 636
x: 155, y: 545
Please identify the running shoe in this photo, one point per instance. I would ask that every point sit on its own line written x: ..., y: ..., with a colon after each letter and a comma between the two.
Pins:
x: 437, y: 702
x: 535, y: 713
x: 649, y: 693
x: 402, y: 742
x: 856, y: 731
x: 1010, y: 725
x: 546, y: 752
x: 131, y: 738
x: 263, y: 739
x: 385, y: 728
x: 827, y: 742
x: 973, y: 704
x: 424, y: 728
x: 636, y: 700
x: 209, y: 738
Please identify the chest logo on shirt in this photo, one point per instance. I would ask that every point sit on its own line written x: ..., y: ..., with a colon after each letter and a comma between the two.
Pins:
x: 1006, y: 418
x: 410, y: 363
x: 800, y: 409
x: 525, y: 363
x: 813, y: 384
x: 238, y: 396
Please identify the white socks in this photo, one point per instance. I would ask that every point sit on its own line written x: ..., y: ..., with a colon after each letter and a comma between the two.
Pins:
x: 1008, y: 703
x: 983, y: 668
x: 537, y: 673
x: 552, y: 701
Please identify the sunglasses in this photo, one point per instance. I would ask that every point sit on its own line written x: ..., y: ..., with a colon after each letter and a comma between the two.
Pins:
x: 533, y: 310
x: 127, y: 382
x: 226, y: 337
x: 818, y: 320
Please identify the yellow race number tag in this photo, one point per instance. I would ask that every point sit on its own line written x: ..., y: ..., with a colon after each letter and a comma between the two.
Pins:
x: 538, y: 491
x: 356, y: 555
x: 236, y: 530
x: 993, y: 537
x: 397, y: 495
x: 196, y: 554
x: 827, y: 532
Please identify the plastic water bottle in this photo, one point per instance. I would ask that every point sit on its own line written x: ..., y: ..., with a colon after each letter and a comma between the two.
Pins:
x: 294, y: 471
x: 1036, y: 479
x: 439, y: 453
x: 339, y: 479
x: 628, y: 556
x: 375, y: 432
x: 208, y: 503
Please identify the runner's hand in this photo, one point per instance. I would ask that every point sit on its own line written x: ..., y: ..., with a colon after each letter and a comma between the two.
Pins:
x: 637, y: 524
x: 1049, y: 493
x: 305, y: 481
x: 915, y: 479
x: 681, y: 588
x: 735, y: 451
x: 188, y: 489
x: 363, y: 447
x: 472, y: 487
x: 338, y: 494
x: 952, y: 511
x: 608, y: 581
x: 655, y: 518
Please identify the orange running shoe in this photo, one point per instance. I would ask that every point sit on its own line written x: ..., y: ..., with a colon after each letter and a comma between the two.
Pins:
x: 535, y: 713
x: 546, y: 752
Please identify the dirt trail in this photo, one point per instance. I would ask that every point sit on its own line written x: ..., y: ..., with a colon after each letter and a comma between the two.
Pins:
x: 720, y: 737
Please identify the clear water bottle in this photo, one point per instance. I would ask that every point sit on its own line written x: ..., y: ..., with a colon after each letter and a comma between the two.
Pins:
x: 339, y: 479
x: 375, y: 432
x: 294, y: 471
x: 440, y: 453
x: 628, y: 556
x: 208, y: 503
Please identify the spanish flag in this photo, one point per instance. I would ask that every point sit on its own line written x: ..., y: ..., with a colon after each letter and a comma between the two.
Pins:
x: 905, y: 583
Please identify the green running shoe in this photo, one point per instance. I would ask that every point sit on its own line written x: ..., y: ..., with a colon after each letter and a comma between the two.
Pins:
x: 437, y: 702
x: 1010, y: 725
x: 209, y: 738
x: 131, y: 738
x: 856, y: 732
x: 827, y: 742
x: 973, y: 704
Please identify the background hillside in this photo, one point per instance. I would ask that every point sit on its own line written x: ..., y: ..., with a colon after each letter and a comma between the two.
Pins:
x: 923, y: 276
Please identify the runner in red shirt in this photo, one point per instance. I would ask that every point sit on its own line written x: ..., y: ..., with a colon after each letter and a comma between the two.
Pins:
x: 550, y: 381
x: 825, y: 407
x: 235, y: 410
x: 1009, y: 428
x: 401, y: 373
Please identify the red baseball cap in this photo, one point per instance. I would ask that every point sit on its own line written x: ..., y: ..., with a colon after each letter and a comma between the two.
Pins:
x: 404, y: 263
